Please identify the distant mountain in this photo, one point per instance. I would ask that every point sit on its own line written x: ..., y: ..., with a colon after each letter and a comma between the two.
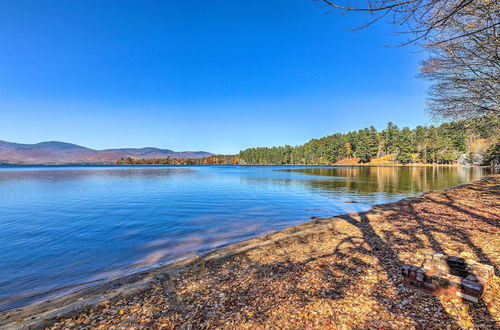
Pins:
x: 55, y: 152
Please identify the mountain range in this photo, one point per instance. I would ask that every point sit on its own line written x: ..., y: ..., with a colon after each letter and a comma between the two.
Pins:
x: 55, y: 152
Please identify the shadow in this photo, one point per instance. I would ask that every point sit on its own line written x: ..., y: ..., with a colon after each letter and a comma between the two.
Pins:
x: 327, y: 267
x: 454, y: 205
x: 478, y: 312
x: 329, y: 276
x: 343, y: 271
x: 388, y: 258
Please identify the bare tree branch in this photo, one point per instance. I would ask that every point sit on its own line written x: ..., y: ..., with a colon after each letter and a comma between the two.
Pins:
x: 463, y: 42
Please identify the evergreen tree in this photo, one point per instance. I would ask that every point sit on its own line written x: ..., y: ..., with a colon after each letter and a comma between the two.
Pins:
x: 442, y: 144
x: 390, y: 136
x: 404, y: 147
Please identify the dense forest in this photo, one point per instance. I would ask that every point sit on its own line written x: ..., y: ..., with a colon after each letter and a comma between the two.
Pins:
x: 467, y: 142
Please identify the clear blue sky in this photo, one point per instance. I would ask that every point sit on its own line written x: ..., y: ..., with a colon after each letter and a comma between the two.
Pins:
x: 206, y: 75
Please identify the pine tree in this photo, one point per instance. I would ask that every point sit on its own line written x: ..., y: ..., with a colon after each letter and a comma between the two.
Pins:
x: 405, y: 147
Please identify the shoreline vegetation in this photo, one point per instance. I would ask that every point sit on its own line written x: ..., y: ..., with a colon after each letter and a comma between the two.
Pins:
x: 493, y: 167
x: 466, y: 142
x: 309, y: 165
x: 335, y: 272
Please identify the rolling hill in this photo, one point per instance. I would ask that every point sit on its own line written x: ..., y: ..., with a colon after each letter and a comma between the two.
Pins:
x: 55, y: 152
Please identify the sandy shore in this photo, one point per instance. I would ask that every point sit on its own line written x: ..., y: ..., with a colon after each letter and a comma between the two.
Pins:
x: 340, y: 272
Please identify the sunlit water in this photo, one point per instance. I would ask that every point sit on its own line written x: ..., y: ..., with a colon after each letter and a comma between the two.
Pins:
x: 63, y: 227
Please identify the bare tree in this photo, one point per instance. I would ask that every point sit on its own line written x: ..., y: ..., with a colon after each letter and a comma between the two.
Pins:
x: 463, y: 40
x: 465, y: 71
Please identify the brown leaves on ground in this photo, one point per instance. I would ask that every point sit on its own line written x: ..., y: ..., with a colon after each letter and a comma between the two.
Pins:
x: 343, y: 274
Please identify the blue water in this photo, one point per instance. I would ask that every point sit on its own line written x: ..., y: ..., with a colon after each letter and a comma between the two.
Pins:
x: 61, y: 227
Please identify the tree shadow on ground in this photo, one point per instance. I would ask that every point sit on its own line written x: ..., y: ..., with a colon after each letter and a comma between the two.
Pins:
x: 441, y: 226
x: 331, y: 273
x: 299, y: 272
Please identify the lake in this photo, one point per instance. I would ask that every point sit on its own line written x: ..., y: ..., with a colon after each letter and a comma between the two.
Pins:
x: 64, y: 227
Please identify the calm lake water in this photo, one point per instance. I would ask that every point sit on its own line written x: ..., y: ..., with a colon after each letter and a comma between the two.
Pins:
x: 64, y: 227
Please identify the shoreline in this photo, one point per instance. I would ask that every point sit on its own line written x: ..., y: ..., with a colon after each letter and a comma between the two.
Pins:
x: 308, y: 165
x: 49, y: 312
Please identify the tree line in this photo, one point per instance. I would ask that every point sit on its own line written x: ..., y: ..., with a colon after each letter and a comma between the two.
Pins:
x: 465, y: 141
x: 212, y: 160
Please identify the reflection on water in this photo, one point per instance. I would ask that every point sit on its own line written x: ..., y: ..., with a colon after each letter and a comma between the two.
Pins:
x: 391, y: 179
x: 64, y: 226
